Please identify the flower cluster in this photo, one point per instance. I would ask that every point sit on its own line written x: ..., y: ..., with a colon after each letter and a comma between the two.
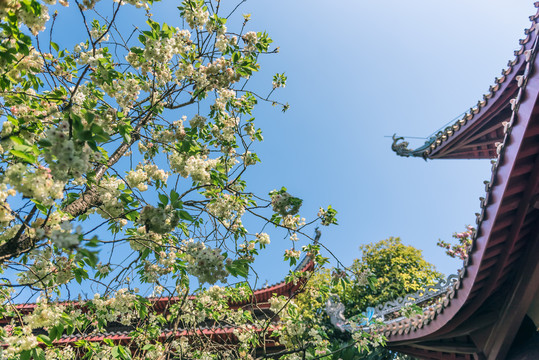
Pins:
x: 172, y: 134
x: 283, y: 203
x: 137, y: 3
x: 125, y: 91
x: 291, y: 253
x: 204, y: 263
x: 226, y: 207
x: 218, y: 74
x: 327, y: 216
x: 109, y: 190
x: 6, y: 214
x: 120, y: 307
x: 263, y: 238
x: 31, y: 63
x: 45, y: 315
x: 160, y: 51
x: 163, y: 265
x: 195, y: 14
x: 293, y: 222
x: 37, y: 184
x: 223, y: 42
x: 279, y: 81
x: 143, y: 239
x: 249, y: 158
x: 143, y: 175
x: 197, y: 121
x: 25, y: 340
x: 462, y: 248
x: 98, y: 32
x: 91, y: 57
x: 224, y: 130
x: 196, y: 166
x: 250, y: 39
x: 63, y: 238
x: 26, y: 14
x: 159, y: 220
x: 67, y: 158
x: 46, y: 270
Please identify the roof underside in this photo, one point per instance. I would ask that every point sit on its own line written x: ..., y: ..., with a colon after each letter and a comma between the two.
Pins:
x: 477, y: 134
x: 481, y: 314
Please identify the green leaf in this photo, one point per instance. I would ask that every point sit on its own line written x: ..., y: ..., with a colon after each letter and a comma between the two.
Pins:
x: 16, y: 140
x: 78, y: 278
x: 174, y: 195
x: 38, y: 354
x: 55, y: 46
x: 44, y: 143
x: 238, y: 268
x: 125, y: 132
x: 44, y: 339
x: 184, y: 215
x: 29, y: 158
x: 53, y: 332
x: 86, y: 135
x: 25, y: 355
x: 164, y: 199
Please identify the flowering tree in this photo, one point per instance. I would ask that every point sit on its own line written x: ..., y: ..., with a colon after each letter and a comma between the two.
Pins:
x: 123, y: 160
x: 462, y: 247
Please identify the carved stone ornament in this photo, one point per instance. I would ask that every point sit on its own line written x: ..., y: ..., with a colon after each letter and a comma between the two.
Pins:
x: 382, y: 310
x: 335, y: 309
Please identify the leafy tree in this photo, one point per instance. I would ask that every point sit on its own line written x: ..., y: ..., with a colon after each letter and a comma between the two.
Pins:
x: 386, y: 270
x: 123, y: 154
x: 393, y: 270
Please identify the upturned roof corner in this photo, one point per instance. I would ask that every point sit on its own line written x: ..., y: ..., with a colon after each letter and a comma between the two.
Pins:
x: 400, y: 147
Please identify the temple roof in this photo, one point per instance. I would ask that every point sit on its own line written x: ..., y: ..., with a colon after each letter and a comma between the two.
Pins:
x: 260, y: 296
x: 257, y: 303
x: 482, y: 309
x: 475, y: 135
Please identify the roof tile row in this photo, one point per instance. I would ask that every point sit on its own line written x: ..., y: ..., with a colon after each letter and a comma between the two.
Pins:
x: 405, y: 326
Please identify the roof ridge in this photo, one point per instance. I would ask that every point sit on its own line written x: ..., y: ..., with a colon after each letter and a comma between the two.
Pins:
x: 405, y: 325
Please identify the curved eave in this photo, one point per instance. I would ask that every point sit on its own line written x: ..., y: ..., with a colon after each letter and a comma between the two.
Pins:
x: 508, y: 226
x: 476, y: 134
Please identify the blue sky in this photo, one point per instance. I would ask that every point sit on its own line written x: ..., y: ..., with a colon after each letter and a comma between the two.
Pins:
x: 359, y: 71
x: 362, y: 70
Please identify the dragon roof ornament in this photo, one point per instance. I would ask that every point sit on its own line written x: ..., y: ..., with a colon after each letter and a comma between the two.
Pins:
x: 401, y: 148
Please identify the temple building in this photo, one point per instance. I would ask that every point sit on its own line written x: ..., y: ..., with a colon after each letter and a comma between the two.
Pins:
x: 490, y: 310
x: 224, y: 335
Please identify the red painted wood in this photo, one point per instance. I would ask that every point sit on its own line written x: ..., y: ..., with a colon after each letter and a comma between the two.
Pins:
x: 463, y: 306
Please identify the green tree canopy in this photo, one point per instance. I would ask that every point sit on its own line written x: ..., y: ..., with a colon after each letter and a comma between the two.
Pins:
x: 387, y: 269
x: 393, y: 270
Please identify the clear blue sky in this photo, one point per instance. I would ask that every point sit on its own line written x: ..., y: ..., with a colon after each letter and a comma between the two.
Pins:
x: 359, y: 71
